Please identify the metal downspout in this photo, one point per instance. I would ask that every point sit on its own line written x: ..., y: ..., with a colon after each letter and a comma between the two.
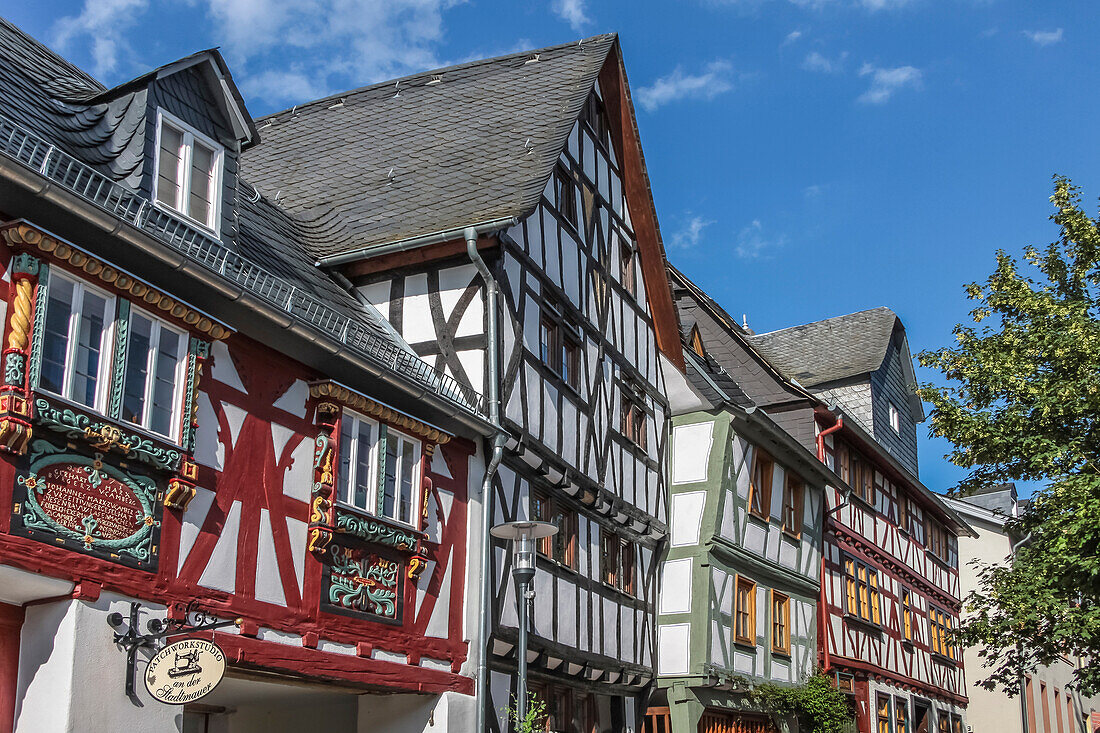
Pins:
x: 492, y: 296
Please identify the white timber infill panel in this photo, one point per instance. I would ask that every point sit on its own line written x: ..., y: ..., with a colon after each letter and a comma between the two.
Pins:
x: 673, y: 643
x: 675, y: 586
x: 691, y: 447
x: 687, y: 517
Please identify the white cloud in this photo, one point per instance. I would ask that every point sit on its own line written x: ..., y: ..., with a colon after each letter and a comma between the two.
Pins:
x: 336, y: 43
x: 691, y: 232
x: 105, y: 23
x: 572, y: 12
x: 792, y: 37
x: 1045, y: 38
x: 884, y: 82
x: 813, y: 191
x: 752, y: 243
x: 815, y: 61
x: 883, y: 4
x: 715, y: 79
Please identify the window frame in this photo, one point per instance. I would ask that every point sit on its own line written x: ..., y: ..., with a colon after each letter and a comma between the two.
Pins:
x: 884, y: 704
x: 180, y: 376
x: 940, y: 627
x: 908, y: 616
x: 614, y: 549
x: 344, y: 481
x: 565, y: 184
x: 417, y: 454
x: 895, y: 418
x: 375, y: 489
x: 861, y: 589
x: 633, y: 417
x: 628, y: 260
x: 763, y: 493
x: 748, y: 639
x: 781, y: 622
x: 562, y: 355
x: 901, y: 715
x: 794, y: 488
x: 189, y: 136
x: 548, y: 546
x: 107, y: 354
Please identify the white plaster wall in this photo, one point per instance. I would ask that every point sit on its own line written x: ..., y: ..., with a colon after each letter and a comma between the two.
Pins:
x: 72, y: 676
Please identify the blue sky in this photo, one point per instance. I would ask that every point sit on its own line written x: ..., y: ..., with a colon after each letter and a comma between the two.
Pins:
x: 809, y: 158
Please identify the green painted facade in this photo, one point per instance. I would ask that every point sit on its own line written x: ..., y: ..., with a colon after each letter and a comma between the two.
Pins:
x: 714, y: 540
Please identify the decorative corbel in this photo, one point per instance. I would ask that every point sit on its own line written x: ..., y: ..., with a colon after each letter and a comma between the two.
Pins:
x: 181, y: 488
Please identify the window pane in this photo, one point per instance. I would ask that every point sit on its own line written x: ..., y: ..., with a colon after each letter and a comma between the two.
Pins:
x: 408, y: 463
x: 362, y: 468
x: 168, y: 168
x: 137, y: 368
x: 88, y: 346
x: 202, y: 169
x: 345, y: 479
x: 55, y: 341
x: 389, y: 481
x: 164, y: 384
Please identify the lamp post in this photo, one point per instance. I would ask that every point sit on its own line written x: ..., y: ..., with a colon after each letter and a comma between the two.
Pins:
x: 523, y: 536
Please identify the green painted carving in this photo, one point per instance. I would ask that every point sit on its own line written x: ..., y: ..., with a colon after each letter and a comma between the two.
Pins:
x: 47, y: 460
x: 35, y: 367
x: 118, y: 371
x: 197, y: 349
x: 78, y: 426
x: 364, y: 582
x: 370, y: 529
x: 13, y: 368
x: 25, y: 264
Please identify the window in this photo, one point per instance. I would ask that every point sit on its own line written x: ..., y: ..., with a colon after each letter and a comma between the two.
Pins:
x: 562, y: 546
x: 633, y: 415
x: 862, y: 594
x: 861, y: 477
x: 696, y: 342
x: 626, y: 268
x: 596, y: 118
x: 940, y: 543
x: 153, y: 381
x: 843, y: 465
x: 957, y: 724
x: 188, y: 166
x: 906, y: 614
x: 793, y: 491
x: 940, y: 626
x: 895, y: 419
x: 914, y: 521
x: 760, y: 487
x: 565, y: 195
x: 745, y: 614
x: 781, y: 623
x: 617, y: 561
x: 901, y: 707
x: 559, y: 348
x: 883, y: 713
x: 76, y: 341
x: 379, y: 469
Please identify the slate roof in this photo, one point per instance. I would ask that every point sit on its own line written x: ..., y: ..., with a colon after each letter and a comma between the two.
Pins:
x: 714, y: 382
x: 429, y: 152
x: 830, y: 350
x: 60, y: 103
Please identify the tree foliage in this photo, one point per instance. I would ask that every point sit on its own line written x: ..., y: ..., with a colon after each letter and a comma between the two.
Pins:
x: 1022, y: 402
x: 818, y: 705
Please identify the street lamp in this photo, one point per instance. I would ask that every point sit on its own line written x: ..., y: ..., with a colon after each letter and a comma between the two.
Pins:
x: 523, y: 536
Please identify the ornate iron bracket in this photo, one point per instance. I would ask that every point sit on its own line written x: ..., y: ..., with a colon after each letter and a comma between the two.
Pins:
x: 193, y: 619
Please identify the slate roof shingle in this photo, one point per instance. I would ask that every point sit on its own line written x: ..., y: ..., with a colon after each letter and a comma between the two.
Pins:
x: 830, y: 350
x: 435, y: 151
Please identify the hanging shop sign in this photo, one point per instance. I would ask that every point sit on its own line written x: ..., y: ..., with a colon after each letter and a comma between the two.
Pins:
x: 185, y: 671
x: 89, y: 505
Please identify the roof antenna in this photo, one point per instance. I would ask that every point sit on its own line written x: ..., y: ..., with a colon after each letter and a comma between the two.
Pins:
x: 745, y: 321
x: 294, y: 110
x: 397, y: 86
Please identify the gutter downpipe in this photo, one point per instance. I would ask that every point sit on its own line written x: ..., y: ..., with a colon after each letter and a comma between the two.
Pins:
x: 423, y: 240
x: 492, y: 296
x: 823, y: 614
x: 1023, y: 679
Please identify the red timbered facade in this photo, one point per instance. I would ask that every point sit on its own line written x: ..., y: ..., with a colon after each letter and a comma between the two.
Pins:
x: 195, y: 419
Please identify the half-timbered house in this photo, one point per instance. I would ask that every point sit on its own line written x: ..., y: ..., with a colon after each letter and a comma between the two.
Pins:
x: 498, y: 214
x: 844, y: 388
x: 740, y: 585
x: 196, y: 420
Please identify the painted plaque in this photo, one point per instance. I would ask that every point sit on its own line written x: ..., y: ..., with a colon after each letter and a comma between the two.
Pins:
x: 363, y: 583
x: 89, y: 504
x: 184, y: 672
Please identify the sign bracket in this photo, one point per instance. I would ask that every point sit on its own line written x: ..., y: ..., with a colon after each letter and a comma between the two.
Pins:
x: 127, y: 635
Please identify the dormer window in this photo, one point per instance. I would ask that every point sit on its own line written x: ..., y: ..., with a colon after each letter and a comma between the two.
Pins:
x: 188, y: 175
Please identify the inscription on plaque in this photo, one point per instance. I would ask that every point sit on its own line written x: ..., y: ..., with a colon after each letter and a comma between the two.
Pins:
x: 89, y: 504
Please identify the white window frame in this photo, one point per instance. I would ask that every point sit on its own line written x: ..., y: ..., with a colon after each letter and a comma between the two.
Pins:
x: 106, y: 344
x: 181, y: 366
x: 353, y: 463
x: 190, y: 135
x: 414, y: 500
x: 895, y: 418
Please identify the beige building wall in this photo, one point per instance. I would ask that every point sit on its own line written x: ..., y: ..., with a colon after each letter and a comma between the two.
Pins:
x: 1046, y: 706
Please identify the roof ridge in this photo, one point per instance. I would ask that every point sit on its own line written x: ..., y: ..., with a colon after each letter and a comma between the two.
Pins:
x: 824, y: 320
x: 426, y: 72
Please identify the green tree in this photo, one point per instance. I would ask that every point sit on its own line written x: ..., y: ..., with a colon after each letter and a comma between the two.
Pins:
x: 1022, y: 402
x: 818, y: 705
